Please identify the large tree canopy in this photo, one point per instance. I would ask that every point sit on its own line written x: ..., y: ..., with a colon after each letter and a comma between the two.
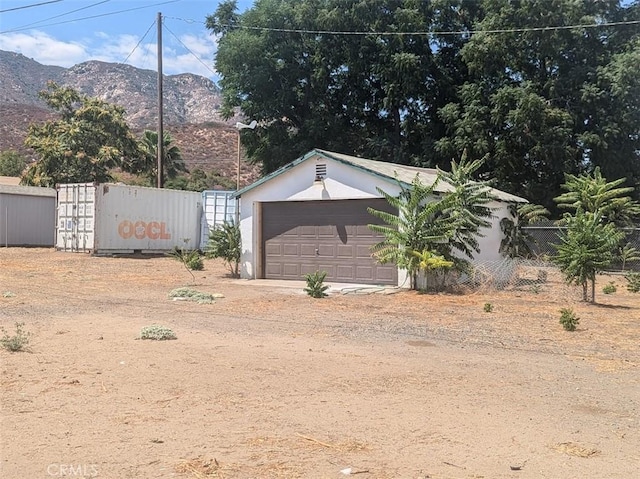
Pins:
x: 90, y: 138
x: 418, y: 82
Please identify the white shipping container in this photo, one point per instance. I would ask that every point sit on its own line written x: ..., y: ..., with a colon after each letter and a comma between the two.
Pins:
x: 218, y: 207
x: 112, y: 218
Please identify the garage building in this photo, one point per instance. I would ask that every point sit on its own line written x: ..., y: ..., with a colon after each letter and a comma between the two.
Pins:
x: 312, y: 215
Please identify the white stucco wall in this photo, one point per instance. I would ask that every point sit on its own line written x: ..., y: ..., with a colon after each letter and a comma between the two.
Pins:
x: 490, y: 243
x: 342, y: 182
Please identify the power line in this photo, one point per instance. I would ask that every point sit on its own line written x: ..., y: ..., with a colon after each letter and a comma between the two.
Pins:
x: 138, y: 44
x: 187, y: 48
x: 422, y: 33
x: 29, y: 6
x: 93, y: 16
x: 63, y: 14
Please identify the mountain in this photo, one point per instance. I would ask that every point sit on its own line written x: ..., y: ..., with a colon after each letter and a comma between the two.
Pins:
x: 191, y: 106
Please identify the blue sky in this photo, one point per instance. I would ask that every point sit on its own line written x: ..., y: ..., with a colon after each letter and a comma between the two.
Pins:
x: 51, y: 35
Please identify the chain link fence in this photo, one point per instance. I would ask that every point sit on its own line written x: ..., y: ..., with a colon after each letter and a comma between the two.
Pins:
x: 545, y: 234
x: 508, y: 274
x: 519, y: 275
x: 534, y: 275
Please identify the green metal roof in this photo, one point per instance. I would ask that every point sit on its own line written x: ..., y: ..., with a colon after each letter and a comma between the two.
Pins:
x: 387, y: 171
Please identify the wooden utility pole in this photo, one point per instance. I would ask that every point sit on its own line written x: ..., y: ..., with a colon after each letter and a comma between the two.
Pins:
x: 160, y: 146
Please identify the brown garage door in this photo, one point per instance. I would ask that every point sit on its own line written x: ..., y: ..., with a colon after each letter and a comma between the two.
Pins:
x: 301, y: 237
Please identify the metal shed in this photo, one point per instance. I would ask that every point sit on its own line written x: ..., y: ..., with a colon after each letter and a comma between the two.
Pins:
x: 27, y: 216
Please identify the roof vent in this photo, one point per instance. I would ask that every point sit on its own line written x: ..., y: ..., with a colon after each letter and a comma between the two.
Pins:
x: 321, y: 171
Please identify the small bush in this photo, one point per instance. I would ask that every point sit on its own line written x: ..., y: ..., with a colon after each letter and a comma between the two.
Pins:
x: 225, y: 242
x: 190, y: 258
x: 568, y: 319
x: 488, y: 307
x: 194, y: 261
x: 315, y: 284
x: 609, y: 288
x: 157, y: 333
x: 633, y: 279
x: 18, y: 342
x: 188, y: 294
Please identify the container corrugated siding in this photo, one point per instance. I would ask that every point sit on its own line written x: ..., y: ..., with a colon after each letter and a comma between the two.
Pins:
x: 75, y: 217
x: 218, y: 207
x: 111, y: 218
x: 27, y: 216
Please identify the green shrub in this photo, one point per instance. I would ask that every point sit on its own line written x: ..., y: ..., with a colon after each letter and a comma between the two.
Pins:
x: 488, y: 307
x: 18, y: 342
x: 568, y: 319
x: 189, y: 294
x: 609, y: 288
x: 194, y: 261
x: 315, y: 284
x: 191, y: 259
x: 225, y: 243
x: 633, y: 280
x: 157, y: 333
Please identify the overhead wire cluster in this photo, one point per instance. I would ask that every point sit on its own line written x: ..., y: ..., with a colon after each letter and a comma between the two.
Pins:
x: 27, y: 27
x: 420, y: 33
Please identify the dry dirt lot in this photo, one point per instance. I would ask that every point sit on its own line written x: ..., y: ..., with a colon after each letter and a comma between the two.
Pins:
x: 269, y: 383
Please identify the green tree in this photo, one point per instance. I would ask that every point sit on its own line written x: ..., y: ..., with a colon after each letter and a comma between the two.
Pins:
x: 541, y: 103
x: 613, y: 103
x: 536, y: 103
x: 419, y: 230
x: 469, y: 208
x: 435, y: 229
x: 172, y: 162
x: 586, y: 248
x: 89, y: 139
x: 371, y: 95
x: 12, y: 163
x: 593, y: 193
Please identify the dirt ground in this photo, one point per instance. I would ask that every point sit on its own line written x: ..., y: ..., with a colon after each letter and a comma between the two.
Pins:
x: 269, y: 383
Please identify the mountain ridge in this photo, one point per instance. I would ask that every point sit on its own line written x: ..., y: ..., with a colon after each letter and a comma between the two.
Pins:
x: 192, y: 107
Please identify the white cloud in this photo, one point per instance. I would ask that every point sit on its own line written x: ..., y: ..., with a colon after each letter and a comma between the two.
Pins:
x: 44, y: 48
x: 48, y: 50
x: 203, y: 46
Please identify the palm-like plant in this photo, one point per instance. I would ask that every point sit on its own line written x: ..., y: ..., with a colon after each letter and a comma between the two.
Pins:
x: 593, y: 193
x: 628, y: 254
x: 225, y: 243
x: 586, y: 248
x: 516, y: 242
x: 172, y: 162
x: 420, y: 226
x: 469, y: 203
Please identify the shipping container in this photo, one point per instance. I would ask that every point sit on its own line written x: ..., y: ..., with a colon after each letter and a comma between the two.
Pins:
x: 27, y: 216
x: 218, y: 207
x: 111, y: 218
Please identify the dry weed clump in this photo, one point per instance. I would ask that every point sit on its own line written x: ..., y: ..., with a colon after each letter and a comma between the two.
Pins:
x: 200, y: 468
x: 574, y: 449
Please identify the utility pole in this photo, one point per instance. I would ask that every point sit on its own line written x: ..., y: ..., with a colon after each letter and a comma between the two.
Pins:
x: 160, y: 146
